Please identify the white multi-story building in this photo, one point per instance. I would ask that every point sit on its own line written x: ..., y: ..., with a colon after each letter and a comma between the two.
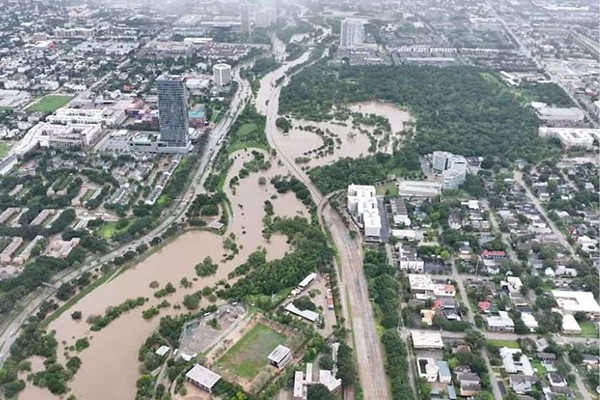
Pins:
x: 78, y: 136
x: 582, y: 138
x: 104, y: 116
x: 452, y: 167
x: 439, y: 160
x: 73, y: 33
x: 352, y: 33
x: 362, y: 204
x: 408, y: 260
x: 222, y: 74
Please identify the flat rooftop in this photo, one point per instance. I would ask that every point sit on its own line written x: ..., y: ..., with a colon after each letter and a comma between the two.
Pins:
x: 279, y: 353
x: 572, y: 301
x: 204, y: 376
x: 426, y: 339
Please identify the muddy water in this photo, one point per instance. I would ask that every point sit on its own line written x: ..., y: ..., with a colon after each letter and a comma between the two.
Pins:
x: 354, y: 144
x: 113, y: 351
x: 395, y: 115
x: 278, y: 47
x: 268, y: 81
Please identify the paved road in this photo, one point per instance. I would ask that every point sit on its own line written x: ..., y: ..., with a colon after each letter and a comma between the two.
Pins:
x: 471, y: 317
x: 366, y: 343
x: 518, y: 175
x: 9, y: 330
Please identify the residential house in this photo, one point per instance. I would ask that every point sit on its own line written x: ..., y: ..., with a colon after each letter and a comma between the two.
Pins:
x: 408, y: 259
x: 500, y: 323
x: 470, y: 383
x: 513, y: 366
x: 522, y: 383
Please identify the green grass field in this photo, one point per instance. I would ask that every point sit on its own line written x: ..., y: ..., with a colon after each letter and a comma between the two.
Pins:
x: 390, y: 187
x: 247, y: 128
x: 588, y: 329
x: 108, y: 230
x: 4, y: 148
x: 50, y: 103
x: 511, y: 344
x: 248, y: 356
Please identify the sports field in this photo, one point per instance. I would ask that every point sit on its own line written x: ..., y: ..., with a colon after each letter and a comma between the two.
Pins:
x: 50, y: 103
x: 248, y: 356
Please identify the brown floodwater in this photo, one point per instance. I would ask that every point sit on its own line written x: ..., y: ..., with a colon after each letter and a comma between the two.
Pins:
x: 112, y: 355
x: 297, y: 142
x: 396, y: 117
x: 350, y: 141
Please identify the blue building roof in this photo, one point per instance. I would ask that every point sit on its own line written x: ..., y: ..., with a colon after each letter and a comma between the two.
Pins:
x: 444, y: 370
x: 451, y: 392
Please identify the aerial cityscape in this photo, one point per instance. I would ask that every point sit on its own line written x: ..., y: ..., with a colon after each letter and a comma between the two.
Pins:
x: 299, y: 200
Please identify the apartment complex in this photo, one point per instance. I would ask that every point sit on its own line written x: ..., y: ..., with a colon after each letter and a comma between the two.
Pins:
x: 362, y: 204
x: 352, y: 33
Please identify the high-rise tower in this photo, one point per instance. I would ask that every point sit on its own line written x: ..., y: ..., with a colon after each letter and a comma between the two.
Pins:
x: 173, y: 110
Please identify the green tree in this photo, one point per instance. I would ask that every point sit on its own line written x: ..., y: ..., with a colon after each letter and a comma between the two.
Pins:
x: 319, y: 392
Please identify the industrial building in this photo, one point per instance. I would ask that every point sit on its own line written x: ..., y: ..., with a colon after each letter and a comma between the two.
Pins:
x: 408, y: 188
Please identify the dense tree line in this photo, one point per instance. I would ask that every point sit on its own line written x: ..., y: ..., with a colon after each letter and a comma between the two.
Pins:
x: 262, y: 277
x: 383, y: 286
x: 549, y: 93
x: 100, y: 321
x: 397, y: 365
x: 366, y: 170
x: 180, y: 178
x: 456, y: 109
x: 346, y: 371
